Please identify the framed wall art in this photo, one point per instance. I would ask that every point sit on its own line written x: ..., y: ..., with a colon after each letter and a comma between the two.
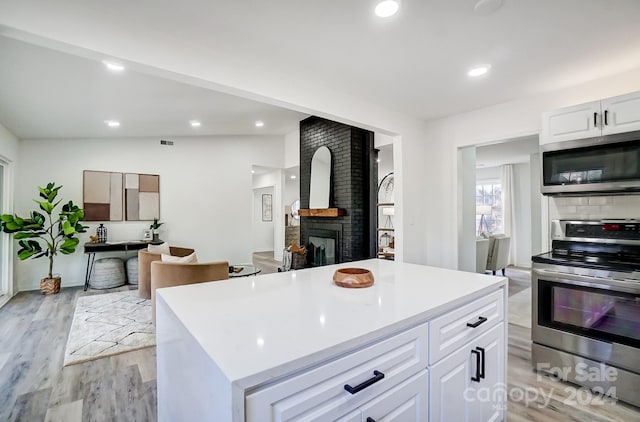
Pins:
x: 267, y: 207
x: 111, y: 196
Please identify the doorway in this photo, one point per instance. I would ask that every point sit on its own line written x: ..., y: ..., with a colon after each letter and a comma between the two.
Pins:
x: 499, y: 194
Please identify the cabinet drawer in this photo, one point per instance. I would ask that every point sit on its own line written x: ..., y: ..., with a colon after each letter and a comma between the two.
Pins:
x: 319, y: 394
x: 450, y: 331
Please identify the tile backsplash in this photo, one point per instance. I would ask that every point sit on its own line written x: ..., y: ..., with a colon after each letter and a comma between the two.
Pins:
x: 594, y: 207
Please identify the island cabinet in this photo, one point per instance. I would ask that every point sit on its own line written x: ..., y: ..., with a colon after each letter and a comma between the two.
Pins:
x: 385, y: 378
x: 421, y: 344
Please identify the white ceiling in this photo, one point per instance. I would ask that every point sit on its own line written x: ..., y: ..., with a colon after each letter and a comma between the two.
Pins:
x: 49, y: 94
x: 414, y: 62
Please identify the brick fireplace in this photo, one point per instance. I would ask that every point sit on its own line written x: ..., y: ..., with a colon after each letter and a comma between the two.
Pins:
x: 353, y: 188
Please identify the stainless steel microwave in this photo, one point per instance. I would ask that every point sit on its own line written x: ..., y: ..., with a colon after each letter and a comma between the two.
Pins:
x: 601, y: 165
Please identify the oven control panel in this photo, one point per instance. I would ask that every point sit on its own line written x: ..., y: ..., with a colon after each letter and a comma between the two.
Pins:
x: 603, y: 230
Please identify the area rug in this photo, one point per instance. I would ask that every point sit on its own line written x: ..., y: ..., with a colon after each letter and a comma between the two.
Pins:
x: 108, y: 324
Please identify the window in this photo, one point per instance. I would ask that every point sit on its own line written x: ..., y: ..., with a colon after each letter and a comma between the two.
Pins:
x: 489, y: 207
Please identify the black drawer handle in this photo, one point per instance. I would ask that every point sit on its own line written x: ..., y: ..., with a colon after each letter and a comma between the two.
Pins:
x: 481, y: 350
x: 370, y: 419
x: 377, y: 376
x: 478, y: 374
x: 606, y: 114
x: 595, y: 121
x: 480, y: 320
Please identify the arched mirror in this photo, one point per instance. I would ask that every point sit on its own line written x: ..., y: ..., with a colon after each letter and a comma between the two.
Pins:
x: 320, y: 178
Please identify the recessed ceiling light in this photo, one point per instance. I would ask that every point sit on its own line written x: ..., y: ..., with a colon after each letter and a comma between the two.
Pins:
x: 479, y: 70
x: 387, y: 8
x: 378, y: 160
x: 253, y: 171
x: 113, y: 66
x: 112, y: 123
x: 293, y: 176
x: 259, y: 123
x: 195, y: 123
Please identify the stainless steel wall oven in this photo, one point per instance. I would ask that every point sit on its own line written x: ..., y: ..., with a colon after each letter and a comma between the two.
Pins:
x: 586, y: 305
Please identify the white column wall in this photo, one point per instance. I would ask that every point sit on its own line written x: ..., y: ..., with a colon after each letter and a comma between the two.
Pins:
x: 9, y: 146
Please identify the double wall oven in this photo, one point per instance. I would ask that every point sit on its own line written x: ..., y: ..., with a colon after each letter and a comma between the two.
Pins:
x: 586, y: 306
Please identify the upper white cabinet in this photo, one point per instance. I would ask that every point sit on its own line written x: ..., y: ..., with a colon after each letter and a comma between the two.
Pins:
x: 568, y: 123
x: 608, y: 116
x: 621, y: 114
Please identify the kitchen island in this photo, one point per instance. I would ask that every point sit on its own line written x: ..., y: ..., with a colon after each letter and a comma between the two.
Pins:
x: 422, y: 343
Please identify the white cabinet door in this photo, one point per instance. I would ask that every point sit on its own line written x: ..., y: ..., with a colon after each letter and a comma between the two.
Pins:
x: 621, y: 114
x: 355, y: 416
x: 407, y: 402
x: 469, y: 385
x: 490, y: 407
x: 577, y: 122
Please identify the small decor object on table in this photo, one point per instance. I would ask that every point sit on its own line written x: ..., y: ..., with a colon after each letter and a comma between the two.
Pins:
x: 353, y: 277
x: 101, y: 231
x: 154, y: 229
x: 58, y: 234
x: 147, y: 235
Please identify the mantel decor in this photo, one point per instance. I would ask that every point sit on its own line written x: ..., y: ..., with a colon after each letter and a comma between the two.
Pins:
x: 322, y: 212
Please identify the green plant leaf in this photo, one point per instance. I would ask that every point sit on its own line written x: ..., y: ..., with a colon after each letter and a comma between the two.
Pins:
x: 69, y: 245
x: 25, y: 235
x: 68, y: 229
x: 45, y: 206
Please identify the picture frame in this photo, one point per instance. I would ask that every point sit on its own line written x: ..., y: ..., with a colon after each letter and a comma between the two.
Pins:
x: 267, y: 207
x: 147, y: 235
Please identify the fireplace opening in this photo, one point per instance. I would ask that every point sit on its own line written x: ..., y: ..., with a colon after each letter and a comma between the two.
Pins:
x: 322, y: 251
x: 324, y: 245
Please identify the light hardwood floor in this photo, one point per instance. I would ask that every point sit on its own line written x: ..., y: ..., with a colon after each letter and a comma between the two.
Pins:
x: 35, y: 387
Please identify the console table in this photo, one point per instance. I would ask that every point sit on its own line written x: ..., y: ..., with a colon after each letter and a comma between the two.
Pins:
x: 92, y: 248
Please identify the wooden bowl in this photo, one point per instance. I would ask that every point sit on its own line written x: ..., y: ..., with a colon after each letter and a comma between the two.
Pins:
x: 353, y: 277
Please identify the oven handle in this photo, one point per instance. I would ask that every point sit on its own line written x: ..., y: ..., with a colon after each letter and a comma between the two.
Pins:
x: 595, y: 282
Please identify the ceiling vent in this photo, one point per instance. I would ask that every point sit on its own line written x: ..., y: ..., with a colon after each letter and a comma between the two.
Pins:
x: 163, y: 142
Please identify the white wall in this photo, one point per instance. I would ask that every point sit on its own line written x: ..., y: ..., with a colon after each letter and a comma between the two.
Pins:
x: 504, y: 121
x: 292, y: 149
x: 522, y: 205
x: 262, y: 230
x: 488, y: 174
x: 9, y: 146
x: 205, y: 191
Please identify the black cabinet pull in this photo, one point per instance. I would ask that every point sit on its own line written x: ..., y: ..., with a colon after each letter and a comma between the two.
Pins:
x: 371, y: 419
x: 377, y: 376
x: 595, y: 121
x: 477, y: 377
x: 481, y: 350
x: 477, y: 323
x: 606, y: 112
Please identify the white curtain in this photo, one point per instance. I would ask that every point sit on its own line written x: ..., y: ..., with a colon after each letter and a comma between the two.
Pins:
x: 508, y: 210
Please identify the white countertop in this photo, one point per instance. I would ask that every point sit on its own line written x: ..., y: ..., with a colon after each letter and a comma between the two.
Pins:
x: 258, y: 328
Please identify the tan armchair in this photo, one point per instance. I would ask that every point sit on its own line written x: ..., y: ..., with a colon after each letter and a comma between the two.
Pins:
x: 498, y: 258
x: 145, y: 259
x: 169, y: 274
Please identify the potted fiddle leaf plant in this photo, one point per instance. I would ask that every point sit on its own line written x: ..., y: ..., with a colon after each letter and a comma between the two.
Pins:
x: 44, y: 235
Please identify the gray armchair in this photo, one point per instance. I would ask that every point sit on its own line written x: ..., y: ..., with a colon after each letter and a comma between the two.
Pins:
x: 482, y: 253
x: 498, y: 257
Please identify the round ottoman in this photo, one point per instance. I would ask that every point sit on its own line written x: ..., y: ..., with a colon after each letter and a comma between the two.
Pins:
x: 132, y: 270
x: 107, y: 273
